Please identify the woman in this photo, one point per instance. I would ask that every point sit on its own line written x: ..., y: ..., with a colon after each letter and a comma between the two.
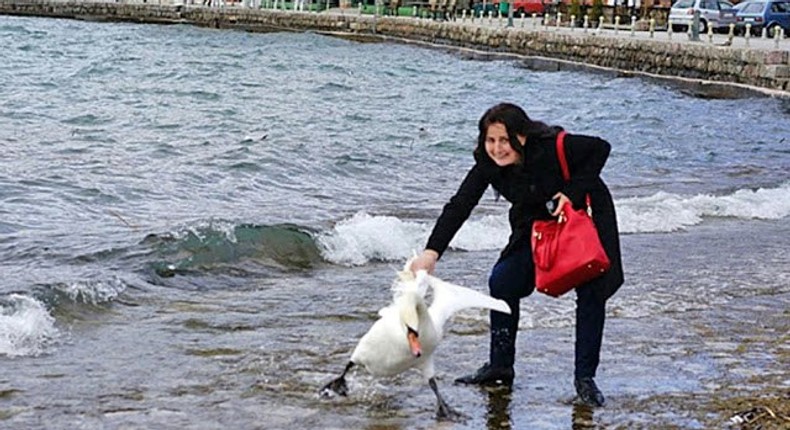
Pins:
x: 518, y: 158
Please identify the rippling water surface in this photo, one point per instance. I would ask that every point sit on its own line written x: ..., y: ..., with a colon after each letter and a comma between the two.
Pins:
x: 197, y: 225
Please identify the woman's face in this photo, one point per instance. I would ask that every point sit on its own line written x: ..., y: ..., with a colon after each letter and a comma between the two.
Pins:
x: 498, y: 145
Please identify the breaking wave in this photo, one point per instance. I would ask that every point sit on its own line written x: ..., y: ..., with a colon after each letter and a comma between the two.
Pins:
x: 217, y: 243
x: 26, y: 327
x: 363, y: 237
x: 666, y: 212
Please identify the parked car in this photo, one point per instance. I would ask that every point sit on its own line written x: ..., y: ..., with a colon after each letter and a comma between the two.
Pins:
x: 482, y: 8
x: 770, y: 14
x: 528, y: 7
x: 714, y: 13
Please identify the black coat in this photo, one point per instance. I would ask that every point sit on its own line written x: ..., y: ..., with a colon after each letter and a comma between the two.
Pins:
x: 529, y: 185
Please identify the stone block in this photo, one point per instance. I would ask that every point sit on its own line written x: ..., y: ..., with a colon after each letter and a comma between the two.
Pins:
x: 777, y: 57
x: 777, y: 72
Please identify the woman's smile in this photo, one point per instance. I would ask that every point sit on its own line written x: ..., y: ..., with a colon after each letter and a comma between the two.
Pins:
x: 498, y: 146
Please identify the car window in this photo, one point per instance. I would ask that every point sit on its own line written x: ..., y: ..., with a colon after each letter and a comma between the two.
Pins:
x: 783, y: 7
x: 710, y: 4
x: 755, y: 7
x: 683, y: 4
x: 725, y: 5
x: 741, y: 5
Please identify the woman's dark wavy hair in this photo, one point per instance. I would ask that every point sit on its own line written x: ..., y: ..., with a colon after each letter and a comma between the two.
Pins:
x: 517, y: 123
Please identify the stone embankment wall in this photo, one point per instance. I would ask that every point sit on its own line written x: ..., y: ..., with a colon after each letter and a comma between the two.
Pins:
x: 705, y: 67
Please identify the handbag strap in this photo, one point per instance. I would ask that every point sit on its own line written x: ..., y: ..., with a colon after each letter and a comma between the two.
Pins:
x: 566, y: 172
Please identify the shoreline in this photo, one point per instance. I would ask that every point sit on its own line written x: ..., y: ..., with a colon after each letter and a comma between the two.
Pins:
x: 703, y: 88
x: 705, y: 70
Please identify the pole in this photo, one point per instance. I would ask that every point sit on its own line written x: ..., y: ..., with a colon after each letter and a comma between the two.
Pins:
x: 375, y: 14
x: 695, y: 26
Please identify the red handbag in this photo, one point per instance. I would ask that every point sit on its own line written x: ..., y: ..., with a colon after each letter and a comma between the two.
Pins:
x: 567, y: 251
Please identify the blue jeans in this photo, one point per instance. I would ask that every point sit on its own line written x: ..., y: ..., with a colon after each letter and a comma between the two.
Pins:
x: 512, y: 278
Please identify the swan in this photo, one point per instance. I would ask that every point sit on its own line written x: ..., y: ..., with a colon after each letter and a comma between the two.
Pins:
x: 408, y: 331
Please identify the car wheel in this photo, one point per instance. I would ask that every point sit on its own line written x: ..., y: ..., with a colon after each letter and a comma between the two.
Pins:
x: 771, y: 29
x: 703, y: 26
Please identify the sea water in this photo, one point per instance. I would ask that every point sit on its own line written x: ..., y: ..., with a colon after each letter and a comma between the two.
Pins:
x: 197, y: 225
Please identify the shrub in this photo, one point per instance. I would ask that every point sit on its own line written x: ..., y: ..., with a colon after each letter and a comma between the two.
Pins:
x: 597, y: 12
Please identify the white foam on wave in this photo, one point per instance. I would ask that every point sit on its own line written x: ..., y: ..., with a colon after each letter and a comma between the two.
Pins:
x: 26, y: 328
x: 204, y: 227
x: 92, y: 292
x: 665, y: 212
x: 364, y: 237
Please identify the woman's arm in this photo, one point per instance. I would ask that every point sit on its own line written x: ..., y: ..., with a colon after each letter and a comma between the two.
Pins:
x: 457, y: 210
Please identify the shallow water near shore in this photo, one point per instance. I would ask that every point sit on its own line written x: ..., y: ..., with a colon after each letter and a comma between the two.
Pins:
x: 196, y: 226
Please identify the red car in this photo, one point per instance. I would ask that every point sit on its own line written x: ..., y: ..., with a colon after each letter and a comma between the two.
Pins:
x: 528, y: 7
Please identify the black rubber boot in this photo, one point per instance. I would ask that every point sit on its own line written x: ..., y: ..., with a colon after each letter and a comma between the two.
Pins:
x: 504, y: 327
x: 588, y: 392
x: 499, y: 369
x: 489, y: 375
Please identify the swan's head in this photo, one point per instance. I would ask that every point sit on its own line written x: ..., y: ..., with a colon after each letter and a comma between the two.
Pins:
x: 409, y: 306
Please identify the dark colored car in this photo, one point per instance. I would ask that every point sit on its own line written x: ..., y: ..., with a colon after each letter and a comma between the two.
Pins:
x: 770, y: 14
x: 481, y: 8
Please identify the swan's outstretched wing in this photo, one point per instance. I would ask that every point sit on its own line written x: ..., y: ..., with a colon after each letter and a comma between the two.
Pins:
x: 449, y: 299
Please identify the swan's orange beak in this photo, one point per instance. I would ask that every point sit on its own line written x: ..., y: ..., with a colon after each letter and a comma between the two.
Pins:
x: 414, y: 343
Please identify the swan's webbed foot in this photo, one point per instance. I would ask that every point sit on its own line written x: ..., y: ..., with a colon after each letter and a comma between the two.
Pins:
x: 443, y: 410
x: 445, y: 413
x: 338, y: 385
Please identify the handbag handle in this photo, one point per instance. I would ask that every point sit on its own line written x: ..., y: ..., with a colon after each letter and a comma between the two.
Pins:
x: 566, y: 172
